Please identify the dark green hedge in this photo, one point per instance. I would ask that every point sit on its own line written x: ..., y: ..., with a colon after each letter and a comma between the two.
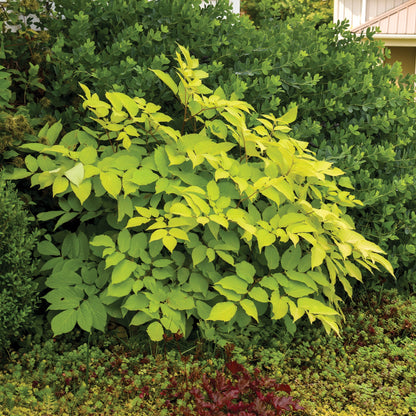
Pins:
x: 18, y: 291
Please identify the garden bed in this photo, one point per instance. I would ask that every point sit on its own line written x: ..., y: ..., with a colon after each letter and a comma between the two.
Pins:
x: 369, y: 370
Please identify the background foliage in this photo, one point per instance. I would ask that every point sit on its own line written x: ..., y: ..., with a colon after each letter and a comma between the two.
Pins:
x: 265, y: 12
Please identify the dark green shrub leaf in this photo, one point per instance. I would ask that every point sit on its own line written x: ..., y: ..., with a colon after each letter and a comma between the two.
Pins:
x: 99, y: 313
x: 291, y: 257
x: 246, y: 271
x: 68, y: 216
x: 46, y: 248
x: 64, y: 298
x: 63, y: 279
x: 85, y: 316
x: 272, y: 257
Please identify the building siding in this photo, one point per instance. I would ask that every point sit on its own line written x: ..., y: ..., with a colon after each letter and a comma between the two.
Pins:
x: 352, y: 9
x: 348, y: 9
x: 377, y: 7
x: 398, y: 21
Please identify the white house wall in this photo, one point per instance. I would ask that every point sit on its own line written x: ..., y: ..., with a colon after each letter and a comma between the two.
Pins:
x: 236, y: 6
x: 348, y: 9
x: 360, y: 11
x: 377, y: 7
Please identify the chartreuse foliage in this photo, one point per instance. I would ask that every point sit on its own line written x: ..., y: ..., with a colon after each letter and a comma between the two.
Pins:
x: 352, y: 109
x: 217, y: 223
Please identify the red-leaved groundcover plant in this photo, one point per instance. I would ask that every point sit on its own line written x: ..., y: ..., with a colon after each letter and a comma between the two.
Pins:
x: 232, y: 391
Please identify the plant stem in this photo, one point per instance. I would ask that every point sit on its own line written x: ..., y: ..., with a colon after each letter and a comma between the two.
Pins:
x: 87, y: 371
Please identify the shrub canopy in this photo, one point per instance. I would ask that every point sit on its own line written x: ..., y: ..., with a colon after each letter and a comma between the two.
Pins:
x: 217, y: 223
x: 353, y: 110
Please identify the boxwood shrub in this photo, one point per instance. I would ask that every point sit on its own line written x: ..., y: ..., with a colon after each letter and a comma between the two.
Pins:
x: 18, y: 291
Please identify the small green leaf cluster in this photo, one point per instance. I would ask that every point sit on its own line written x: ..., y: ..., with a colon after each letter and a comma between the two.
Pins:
x: 18, y: 290
x: 217, y: 224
